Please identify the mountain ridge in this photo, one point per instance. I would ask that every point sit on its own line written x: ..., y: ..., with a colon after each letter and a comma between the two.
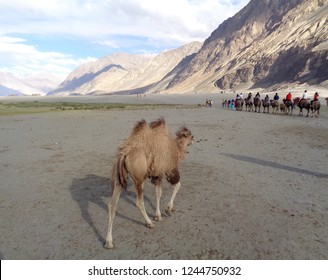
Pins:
x: 269, y: 44
x: 33, y: 84
x: 252, y: 55
x: 121, y: 72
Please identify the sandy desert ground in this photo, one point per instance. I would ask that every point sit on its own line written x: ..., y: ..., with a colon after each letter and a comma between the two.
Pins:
x: 254, y: 186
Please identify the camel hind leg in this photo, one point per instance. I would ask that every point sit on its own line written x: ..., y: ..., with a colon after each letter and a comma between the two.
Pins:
x: 157, y: 181
x: 141, y: 205
x: 136, y: 164
x: 112, y: 206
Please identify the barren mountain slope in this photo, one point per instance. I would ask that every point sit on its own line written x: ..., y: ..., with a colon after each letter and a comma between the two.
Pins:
x: 267, y: 44
x: 123, y: 72
x: 39, y: 83
x: 84, y: 79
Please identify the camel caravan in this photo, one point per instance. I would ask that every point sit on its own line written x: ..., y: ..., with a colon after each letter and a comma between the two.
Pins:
x: 149, y: 152
x: 285, y: 107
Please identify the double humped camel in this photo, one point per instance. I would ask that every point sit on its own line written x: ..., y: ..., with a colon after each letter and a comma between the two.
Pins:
x: 150, y: 152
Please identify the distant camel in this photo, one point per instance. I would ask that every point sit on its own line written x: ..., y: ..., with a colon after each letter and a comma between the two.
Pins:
x: 257, y: 104
x: 315, y: 108
x: 249, y: 103
x: 149, y: 152
x: 266, y: 105
x: 303, y: 104
x: 282, y: 107
x: 289, y: 106
x: 239, y: 103
x: 275, y: 106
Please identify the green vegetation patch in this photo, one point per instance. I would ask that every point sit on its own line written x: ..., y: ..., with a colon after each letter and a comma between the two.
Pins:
x: 13, y: 108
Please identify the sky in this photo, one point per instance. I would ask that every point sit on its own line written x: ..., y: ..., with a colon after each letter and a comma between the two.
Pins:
x: 57, y: 36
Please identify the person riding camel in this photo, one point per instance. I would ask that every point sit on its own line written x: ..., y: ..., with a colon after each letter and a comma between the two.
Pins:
x: 257, y: 95
x: 304, y: 96
x: 289, y: 97
x: 267, y: 98
x: 238, y: 96
x: 276, y: 96
x: 209, y: 102
x: 315, y: 98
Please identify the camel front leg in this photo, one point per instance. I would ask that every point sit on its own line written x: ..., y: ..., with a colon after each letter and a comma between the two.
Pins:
x: 112, y: 206
x: 170, y: 209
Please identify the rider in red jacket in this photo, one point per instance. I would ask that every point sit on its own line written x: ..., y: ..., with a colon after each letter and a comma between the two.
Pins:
x: 316, y: 96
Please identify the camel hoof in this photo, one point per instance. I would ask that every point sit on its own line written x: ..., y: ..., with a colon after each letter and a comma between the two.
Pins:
x: 150, y: 225
x: 169, y: 211
x: 109, y: 245
x: 158, y: 218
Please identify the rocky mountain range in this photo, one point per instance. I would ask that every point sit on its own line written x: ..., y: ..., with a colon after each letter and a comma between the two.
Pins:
x: 269, y: 44
x: 124, y: 73
x: 38, y: 84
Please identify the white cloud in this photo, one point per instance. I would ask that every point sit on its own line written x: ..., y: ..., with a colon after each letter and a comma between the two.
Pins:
x: 178, y: 20
x: 28, y: 59
x: 117, y: 24
x: 108, y: 43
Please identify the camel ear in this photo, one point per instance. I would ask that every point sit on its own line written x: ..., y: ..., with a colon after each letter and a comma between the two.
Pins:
x: 183, y: 132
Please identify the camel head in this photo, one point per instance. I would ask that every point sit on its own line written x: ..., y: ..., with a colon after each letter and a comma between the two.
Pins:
x: 184, y: 134
x: 183, y: 139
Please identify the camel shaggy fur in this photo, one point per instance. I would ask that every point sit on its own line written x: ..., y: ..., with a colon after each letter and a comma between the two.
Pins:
x: 150, y: 152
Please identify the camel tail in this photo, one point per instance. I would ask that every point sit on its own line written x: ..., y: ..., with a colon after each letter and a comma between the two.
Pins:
x: 120, y: 173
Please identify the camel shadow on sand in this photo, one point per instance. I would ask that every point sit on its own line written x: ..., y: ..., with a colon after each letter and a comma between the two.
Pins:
x: 277, y: 165
x: 96, y: 189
